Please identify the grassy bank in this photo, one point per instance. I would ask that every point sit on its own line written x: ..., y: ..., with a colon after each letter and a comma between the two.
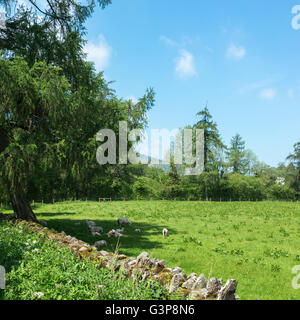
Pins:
x: 38, y: 269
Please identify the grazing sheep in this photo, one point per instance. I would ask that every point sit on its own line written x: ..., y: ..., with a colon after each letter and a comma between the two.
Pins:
x: 165, y: 232
x: 137, y: 230
x: 100, y: 244
x: 124, y: 221
x: 114, y: 234
x: 90, y: 223
x: 95, y: 229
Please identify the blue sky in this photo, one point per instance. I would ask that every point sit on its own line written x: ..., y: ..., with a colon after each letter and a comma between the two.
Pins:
x: 242, y: 57
x: 239, y: 56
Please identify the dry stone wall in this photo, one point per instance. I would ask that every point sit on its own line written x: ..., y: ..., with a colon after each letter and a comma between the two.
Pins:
x: 143, y: 267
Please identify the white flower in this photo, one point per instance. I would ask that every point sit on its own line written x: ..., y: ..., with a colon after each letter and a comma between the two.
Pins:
x: 280, y: 181
x: 38, y: 294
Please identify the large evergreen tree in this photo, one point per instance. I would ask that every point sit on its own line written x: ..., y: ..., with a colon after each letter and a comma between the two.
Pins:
x: 212, y: 139
x: 236, y: 155
x: 53, y: 103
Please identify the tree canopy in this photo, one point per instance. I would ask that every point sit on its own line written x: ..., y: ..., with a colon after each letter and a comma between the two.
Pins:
x: 53, y: 102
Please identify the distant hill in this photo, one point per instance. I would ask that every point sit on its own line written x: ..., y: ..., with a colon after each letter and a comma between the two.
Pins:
x: 149, y: 159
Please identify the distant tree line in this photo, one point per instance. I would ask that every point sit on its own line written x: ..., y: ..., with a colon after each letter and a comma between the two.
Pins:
x: 231, y: 173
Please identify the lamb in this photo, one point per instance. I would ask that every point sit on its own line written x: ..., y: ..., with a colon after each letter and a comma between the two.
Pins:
x: 165, y: 232
x: 137, y: 230
x: 114, y: 234
x: 124, y: 221
x: 90, y: 223
x: 100, y: 244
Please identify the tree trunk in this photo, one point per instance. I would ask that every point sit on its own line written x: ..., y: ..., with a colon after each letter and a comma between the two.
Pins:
x: 19, y: 203
x: 206, y: 193
x: 22, y: 208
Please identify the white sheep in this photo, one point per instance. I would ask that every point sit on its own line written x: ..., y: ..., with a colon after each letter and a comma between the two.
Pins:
x: 90, y: 223
x: 165, y: 232
x: 137, y: 230
x: 124, y: 221
x: 111, y: 234
x: 114, y: 234
x: 100, y: 244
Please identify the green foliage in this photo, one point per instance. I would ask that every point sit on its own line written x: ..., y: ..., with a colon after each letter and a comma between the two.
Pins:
x: 294, y: 159
x: 146, y: 188
x: 279, y: 192
x: 51, y: 148
x: 236, y: 155
x: 212, y: 138
x: 34, y: 108
x: 239, y: 187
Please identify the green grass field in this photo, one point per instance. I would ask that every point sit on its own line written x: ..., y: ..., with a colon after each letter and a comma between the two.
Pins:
x: 256, y: 243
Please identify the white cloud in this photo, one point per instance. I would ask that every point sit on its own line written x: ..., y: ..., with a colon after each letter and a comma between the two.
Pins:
x: 268, y: 94
x: 133, y: 99
x: 185, y: 65
x: 99, y: 53
x: 235, y: 52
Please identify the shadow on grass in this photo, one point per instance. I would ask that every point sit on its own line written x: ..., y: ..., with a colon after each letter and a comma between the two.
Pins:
x: 129, y: 244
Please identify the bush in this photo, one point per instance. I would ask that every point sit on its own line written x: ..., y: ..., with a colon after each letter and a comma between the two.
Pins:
x: 146, y: 188
x: 239, y: 187
x: 279, y: 192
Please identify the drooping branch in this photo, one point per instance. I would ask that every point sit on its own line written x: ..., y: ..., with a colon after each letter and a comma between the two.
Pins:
x: 4, y: 140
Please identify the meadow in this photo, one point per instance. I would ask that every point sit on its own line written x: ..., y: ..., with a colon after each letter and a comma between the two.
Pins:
x: 256, y: 243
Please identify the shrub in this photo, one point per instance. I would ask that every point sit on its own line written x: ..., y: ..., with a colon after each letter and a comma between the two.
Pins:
x: 280, y: 192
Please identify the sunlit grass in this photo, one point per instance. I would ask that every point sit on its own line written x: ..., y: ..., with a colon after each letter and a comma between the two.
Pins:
x: 256, y: 243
